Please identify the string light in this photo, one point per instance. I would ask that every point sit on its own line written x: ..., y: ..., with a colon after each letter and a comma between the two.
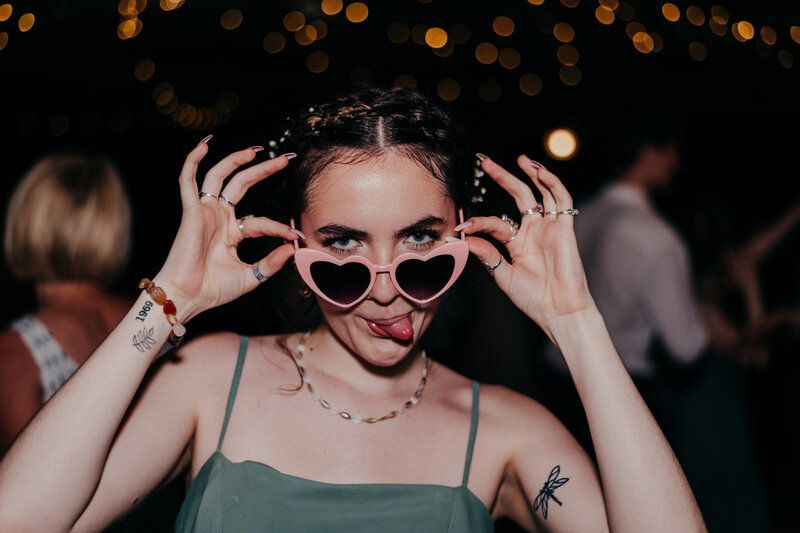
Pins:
x: 357, y: 12
x: 26, y: 22
x: 5, y: 12
x: 671, y: 12
x: 561, y: 144
x: 331, y: 7
x: 604, y: 15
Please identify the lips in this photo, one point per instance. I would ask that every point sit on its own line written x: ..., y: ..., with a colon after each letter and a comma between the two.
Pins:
x: 399, y: 328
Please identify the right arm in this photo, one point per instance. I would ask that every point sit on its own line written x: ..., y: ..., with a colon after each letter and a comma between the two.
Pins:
x: 82, y: 450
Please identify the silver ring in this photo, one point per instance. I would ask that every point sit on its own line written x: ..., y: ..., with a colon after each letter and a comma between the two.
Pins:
x: 550, y: 213
x: 259, y: 275
x: 208, y: 195
x: 226, y: 201
x: 570, y: 211
x: 532, y: 210
x: 241, y: 225
x: 489, y: 268
x: 513, y: 225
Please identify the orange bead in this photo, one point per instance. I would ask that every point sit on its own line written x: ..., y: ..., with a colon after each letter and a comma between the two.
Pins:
x: 158, y: 295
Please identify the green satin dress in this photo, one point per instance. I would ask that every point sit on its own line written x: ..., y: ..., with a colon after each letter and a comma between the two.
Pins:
x: 254, y: 497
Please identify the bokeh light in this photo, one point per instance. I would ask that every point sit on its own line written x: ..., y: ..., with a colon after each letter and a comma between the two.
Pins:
x: 695, y: 15
x: 632, y: 28
x: 448, y: 89
x: 604, y: 15
x: 503, y: 26
x: 171, y: 5
x: 721, y: 14
x: 536, y: 2
x: 5, y: 12
x: 486, y: 53
x: 231, y: 19
x: 671, y: 12
x: 561, y: 144
x: 530, y: 84
x: 405, y: 80
x: 570, y: 76
x: 398, y: 33
x: 357, y: 12
x: 610, y: 4
x: 435, y: 37
x: 769, y: 35
x: 144, y: 69
x: 785, y: 58
x: 509, y: 58
x: 26, y: 22
x: 322, y: 28
x: 3, y: 39
x: 294, y: 20
x: 274, y: 42
x: 445, y: 50
x: 163, y: 93
x: 698, y: 51
x: 643, y: 42
x: 570, y: 3
x: 794, y: 33
x: 568, y: 55
x: 563, y: 32
x: 306, y: 35
x: 129, y: 28
x: 317, y: 61
x: 718, y: 25
x: 418, y: 33
x: 331, y: 7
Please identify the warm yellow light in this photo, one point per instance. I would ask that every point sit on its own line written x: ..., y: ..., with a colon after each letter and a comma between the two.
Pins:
x: 418, y: 33
x: 306, y: 35
x: 509, y: 58
x: 357, y: 12
x: 695, y: 15
x: 718, y: 25
x: 632, y: 28
x: 489, y: 90
x: 563, y: 32
x: 144, y: 69
x: 5, y: 12
x: 26, y: 22
x: 405, y: 80
x: 561, y: 144
x: 769, y: 35
x: 435, y: 37
x: 503, y: 26
x: 604, y: 15
x: 530, y: 84
x: 3, y: 39
x: 127, y: 8
x: 163, y: 93
x: 570, y: 3
x: 331, y: 7
x: 721, y: 13
x: 643, y: 42
x: 398, y: 33
x: 317, y: 61
x: 794, y: 33
x: 568, y: 55
x: 170, y: 5
x: 321, y: 27
x: 274, y: 42
x: 536, y: 2
x: 570, y: 75
x: 129, y: 28
x: 445, y: 50
x: 448, y: 89
x: 294, y: 20
x: 785, y: 58
x: 231, y: 19
x: 610, y: 4
x: 486, y: 53
x: 671, y: 12
x: 698, y: 51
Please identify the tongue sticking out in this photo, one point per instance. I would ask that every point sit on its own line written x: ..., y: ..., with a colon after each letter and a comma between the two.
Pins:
x: 400, y: 330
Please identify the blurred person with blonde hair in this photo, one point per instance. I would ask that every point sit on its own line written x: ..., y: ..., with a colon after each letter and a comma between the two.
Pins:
x: 68, y: 230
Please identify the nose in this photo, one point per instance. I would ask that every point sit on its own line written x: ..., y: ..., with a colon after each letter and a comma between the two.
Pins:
x: 384, y: 291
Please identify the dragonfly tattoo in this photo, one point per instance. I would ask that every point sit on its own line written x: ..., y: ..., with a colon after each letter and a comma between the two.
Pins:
x: 552, y: 483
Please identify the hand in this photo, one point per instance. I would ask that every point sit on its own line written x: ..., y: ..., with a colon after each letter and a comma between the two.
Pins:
x: 203, y: 270
x: 545, y: 277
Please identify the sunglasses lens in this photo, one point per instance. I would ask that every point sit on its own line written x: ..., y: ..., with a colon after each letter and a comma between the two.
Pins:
x: 341, y: 283
x: 424, y: 279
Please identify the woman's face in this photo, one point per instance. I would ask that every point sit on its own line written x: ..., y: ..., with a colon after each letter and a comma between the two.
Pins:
x: 378, y: 209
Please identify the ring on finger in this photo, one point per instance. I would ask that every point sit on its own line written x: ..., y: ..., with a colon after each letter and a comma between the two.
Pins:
x: 204, y: 194
x: 554, y: 213
x: 259, y: 275
x: 538, y: 209
x: 241, y: 225
x: 489, y: 268
x: 226, y: 201
x: 513, y: 225
x: 571, y: 211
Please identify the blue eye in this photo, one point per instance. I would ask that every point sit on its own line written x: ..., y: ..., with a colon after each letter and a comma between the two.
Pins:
x: 421, y: 239
x: 342, y: 244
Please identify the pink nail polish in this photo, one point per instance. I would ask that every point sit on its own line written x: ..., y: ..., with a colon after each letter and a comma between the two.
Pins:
x: 207, y: 138
x: 535, y: 163
x: 256, y: 148
x: 298, y: 232
x: 481, y: 156
x: 463, y: 226
x: 289, y: 155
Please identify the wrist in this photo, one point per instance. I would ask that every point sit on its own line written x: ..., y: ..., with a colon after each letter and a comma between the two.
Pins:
x: 185, y: 306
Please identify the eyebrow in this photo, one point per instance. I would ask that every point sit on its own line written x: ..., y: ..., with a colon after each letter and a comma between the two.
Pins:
x: 338, y: 230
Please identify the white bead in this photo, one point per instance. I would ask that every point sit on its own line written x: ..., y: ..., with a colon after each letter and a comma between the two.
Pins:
x: 316, y: 396
x: 306, y: 379
x: 273, y: 144
x: 414, y: 400
x: 301, y: 348
x: 334, y: 410
x: 356, y: 419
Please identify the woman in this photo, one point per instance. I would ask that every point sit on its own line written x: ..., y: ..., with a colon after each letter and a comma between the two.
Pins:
x: 376, y: 179
x: 68, y: 229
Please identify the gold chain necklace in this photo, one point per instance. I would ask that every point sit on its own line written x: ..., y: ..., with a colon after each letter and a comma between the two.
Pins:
x: 344, y: 415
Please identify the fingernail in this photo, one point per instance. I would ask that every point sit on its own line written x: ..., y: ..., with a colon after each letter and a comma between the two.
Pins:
x: 298, y: 232
x: 207, y: 138
x: 481, y: 156
x: 535, y: 163
x: 451, y: 239
x: 256, y: 148
x: 289, y: 155
x: 463, y: 226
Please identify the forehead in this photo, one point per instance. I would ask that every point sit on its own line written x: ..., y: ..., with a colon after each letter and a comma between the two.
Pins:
x: 390, y: 189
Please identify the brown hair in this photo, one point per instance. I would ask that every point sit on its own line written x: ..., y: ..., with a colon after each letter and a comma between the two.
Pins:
x: 68, y: 219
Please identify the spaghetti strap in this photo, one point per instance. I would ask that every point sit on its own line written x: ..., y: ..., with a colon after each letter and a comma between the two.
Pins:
x: 237, y: 374
x: 473, y: 430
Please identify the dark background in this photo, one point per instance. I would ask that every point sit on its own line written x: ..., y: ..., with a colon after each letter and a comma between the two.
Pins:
x: 69, y: 83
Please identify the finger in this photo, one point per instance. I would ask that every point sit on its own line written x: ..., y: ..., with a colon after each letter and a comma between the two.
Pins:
x: 522, y: 194
x: 532, y: 169
x: 187, y: 178
x: 241, y: 182
x: 213, y: 181
x: 271, y: 264
x: 498, y: 229
x: 491, y: 257
x: 560, y: 193
x: 266, y: 227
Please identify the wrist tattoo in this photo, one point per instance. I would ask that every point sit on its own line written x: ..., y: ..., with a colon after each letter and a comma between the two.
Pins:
x: 552, y: 483
x: 143, y: 340
x: 145, y: 309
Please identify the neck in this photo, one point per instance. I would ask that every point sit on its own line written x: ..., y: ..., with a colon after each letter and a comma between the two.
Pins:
x: 328, y: 355
x: 75, y: 293
x: 636, y: 179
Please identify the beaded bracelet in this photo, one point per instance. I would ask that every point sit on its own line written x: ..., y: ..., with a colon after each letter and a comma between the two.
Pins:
x: 160, y: 297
